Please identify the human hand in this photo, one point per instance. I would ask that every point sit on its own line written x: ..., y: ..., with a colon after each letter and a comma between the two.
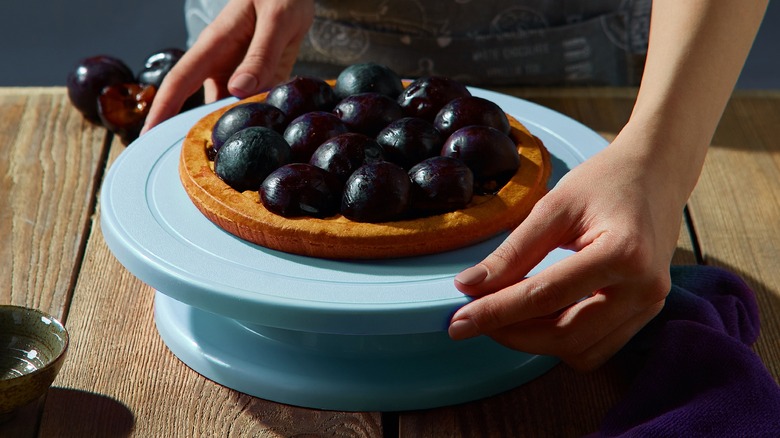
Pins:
x: 621, y: 214
x: 252, y: 45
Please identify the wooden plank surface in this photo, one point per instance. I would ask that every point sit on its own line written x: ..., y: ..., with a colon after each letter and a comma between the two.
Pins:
x: 49, y: 160
x: 736, y: 207
x: 120, y: 378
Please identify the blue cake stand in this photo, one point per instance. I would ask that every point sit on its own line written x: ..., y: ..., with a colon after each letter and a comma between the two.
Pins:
x: 337, y: 335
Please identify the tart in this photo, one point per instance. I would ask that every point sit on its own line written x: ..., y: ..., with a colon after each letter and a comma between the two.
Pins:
x: 243, y: 215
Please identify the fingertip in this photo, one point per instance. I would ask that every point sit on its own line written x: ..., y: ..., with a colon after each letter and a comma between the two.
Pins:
x: 462, y: 329
x: 244, y: 85
x: 472, y: 276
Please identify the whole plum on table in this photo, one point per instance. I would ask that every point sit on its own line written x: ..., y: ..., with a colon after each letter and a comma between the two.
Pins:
x: 300, y: 189
x: 243, y: 116
x: 426, y: 96
x: 301, y: 95
x: 88, y: 78
x: 489, y: 153
x: 156, y: 68
x: 249, y: 156
x: 344, y: 153
x: 441, y: 184
x: 376, y: 192
x: 308, y: 131
x: 122, y: 108
x: 409, y: 140
x: 368, y: 113
x: 368, y: 78
x: 471, y: 110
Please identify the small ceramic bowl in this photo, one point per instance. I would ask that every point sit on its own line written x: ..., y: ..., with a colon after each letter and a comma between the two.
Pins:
x: 32, y: 349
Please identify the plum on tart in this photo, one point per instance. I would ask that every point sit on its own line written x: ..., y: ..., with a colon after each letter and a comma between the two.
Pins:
x: 452, y: 198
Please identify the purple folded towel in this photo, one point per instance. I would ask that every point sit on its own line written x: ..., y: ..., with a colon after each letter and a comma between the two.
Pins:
x: 696, y: 375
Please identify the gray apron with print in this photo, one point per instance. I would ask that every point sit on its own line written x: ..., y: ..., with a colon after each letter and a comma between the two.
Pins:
x: 526, y: 42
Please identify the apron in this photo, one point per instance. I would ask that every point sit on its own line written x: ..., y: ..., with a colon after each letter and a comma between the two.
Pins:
x: 501, y: 42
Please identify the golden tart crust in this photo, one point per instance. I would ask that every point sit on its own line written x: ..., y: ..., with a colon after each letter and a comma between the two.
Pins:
x: 243, y: 215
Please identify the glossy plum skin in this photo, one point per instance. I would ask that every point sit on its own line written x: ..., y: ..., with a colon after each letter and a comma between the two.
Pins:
x: 300, y: 189
x: 426, y: 96
x: 471, y: 110
x: 440, y: 184
x: 409, y: 140
x: 301, y: 95
x: 308, y: 131
x: 249, y: 156
x: 244, y: 116
x: 489, y: 153
x: 368, y: 113
x: 344, y: 153
x: 122, y: 108
x: 158, y: 65
x: 368, y: 78
x: 88, y: 78
x: 376, y: 192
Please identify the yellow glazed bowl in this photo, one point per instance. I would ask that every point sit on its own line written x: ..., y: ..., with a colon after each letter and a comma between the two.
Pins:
x: 32, y: 350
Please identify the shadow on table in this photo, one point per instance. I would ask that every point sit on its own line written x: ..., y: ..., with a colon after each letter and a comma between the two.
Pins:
x: 70, y: 412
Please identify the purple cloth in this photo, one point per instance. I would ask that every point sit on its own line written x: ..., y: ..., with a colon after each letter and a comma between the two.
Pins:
x: 695, y: 373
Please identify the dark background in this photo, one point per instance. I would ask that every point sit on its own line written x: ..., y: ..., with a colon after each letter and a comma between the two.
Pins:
x: 40, y: 40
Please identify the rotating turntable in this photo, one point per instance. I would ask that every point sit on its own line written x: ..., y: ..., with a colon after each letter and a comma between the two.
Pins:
x: 326, y: 334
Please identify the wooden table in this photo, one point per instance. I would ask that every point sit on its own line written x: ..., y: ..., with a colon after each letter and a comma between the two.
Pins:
x: 120, y: 379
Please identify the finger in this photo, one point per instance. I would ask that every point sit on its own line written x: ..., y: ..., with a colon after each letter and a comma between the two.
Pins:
x: 214, y: 90
x: 184, y: 79
x: 262, y: 66
x: 546, y: 228
x: 212, y: 52
x: 588, y: 332
x: 607, y: 347
x: 556, y: 287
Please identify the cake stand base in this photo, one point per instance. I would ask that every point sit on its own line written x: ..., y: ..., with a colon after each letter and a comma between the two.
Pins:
x: 341, y: 372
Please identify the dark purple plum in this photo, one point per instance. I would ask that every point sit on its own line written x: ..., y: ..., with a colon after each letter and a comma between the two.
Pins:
x: 409, y: 140
x: 368, y: 113
x: 89, y: 77
x: 300, y: 189
x: 425, y: 96
x: 300, y: 95
x: 440, y: 185
x: 249, y: 156
x: 308, y: 131
x: 244, y: 116
x: 368, y: 78
x: 344, y: 153
x: 158, y: 65
x: 376, y: 192
x: 471, y: 110
x: 489, y: 153
x: 122, y: 108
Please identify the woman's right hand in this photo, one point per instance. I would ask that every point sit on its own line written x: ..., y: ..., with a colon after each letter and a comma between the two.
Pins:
x: 251, y: 46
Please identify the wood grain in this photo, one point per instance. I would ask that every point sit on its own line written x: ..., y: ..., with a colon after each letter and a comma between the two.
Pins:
x: 736, y: 208
x: 49, y: 161
x: 120, y: 379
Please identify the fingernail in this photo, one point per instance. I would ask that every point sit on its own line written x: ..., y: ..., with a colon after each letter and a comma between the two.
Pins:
x: 245, y: 83
x: 462, y: 329
x: 472, y: 275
